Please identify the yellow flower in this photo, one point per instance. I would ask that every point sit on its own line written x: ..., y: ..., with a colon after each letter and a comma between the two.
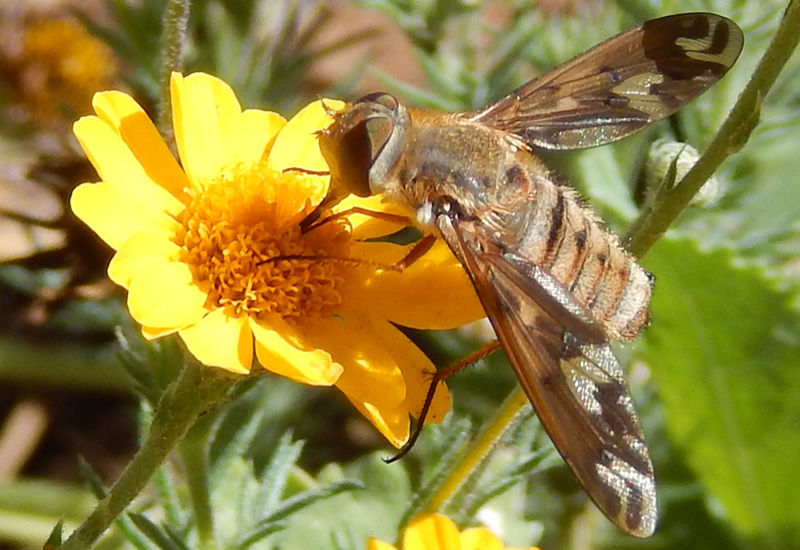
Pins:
x: 213, y: 249
x: 56, y: 63
x: 437, y: 532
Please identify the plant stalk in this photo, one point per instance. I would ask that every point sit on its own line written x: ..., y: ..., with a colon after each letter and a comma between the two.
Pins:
x: 173, y: 46
x: 196, y: 391
x: 488, y: 439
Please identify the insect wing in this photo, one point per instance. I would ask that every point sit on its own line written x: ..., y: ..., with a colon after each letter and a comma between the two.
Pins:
x: 621, y: 85
x: 570, y: 375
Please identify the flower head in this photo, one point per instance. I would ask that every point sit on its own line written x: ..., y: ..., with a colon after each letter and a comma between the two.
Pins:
x: 437, y: 532
x: 223, y: 250
x: 52, y: 63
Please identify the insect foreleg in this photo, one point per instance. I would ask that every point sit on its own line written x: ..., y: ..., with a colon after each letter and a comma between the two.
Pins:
x: 384, y: 216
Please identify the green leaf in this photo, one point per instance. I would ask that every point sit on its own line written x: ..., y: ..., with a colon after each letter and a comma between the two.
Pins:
x: 156, y: 534
x: 276, y: 474
x: 373, y: 510
x: 54, y: 540
x: 723, y: 347
x: 272, y: 522
x: 91, y: 478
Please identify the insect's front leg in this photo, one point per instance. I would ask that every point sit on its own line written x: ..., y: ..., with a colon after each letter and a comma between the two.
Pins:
x: 420, y: 248
x: 311, y: 223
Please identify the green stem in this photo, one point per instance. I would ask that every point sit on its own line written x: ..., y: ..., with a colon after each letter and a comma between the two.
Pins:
x: 196, y: 391
x: 487, y: 440
x: 734, y: 133
x: 173, y: 46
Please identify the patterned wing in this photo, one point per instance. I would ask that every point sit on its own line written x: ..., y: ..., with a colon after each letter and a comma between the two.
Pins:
x: 567, y: 369
x: 621, y: 85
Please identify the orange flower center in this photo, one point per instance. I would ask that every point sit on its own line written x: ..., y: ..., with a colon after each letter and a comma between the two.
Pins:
x: 251, y: 256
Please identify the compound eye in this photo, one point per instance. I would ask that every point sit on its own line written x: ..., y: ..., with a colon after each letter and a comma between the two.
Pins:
x: 364, y: 143
x: 354, y: 160
x: 381, y: 98
x: 379, y: 130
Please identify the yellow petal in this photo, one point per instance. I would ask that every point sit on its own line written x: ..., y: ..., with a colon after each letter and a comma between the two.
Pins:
x: 375, y: 544
x: 370, y: 227
x: 370, y: 374
x: 391, y: 422
x: 259, y: 130
x: 383, y: 253
x: 431, y: 532
x: 162, y: 294
x: 297, y: 146
x: 117, y: 165
x: 208, y: 125
x: 141, y: 249
x: 116, y: 213
x: 123, y: 114
x: 375, y: 357
x: 218, y: 340
x: 432, y: 293
x: 151, y: 333
x: 415, y: 366
x: 297, y: 156
x: 278, y: 350
x: 480, y: 539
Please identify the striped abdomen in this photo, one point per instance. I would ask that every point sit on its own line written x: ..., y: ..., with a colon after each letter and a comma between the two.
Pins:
x: 563, y: 237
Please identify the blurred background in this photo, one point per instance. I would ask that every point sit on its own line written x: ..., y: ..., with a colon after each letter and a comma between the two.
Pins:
x: 716, y: 376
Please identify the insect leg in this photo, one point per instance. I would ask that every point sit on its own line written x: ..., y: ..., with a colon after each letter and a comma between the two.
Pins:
x: 440, y: 376
x: 385, y: 216
x: 417, y: 251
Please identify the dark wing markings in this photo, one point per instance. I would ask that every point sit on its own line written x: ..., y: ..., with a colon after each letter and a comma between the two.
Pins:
x: 570, y: 375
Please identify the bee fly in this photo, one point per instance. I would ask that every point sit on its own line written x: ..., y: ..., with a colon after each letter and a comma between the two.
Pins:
x: 555, y: 284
